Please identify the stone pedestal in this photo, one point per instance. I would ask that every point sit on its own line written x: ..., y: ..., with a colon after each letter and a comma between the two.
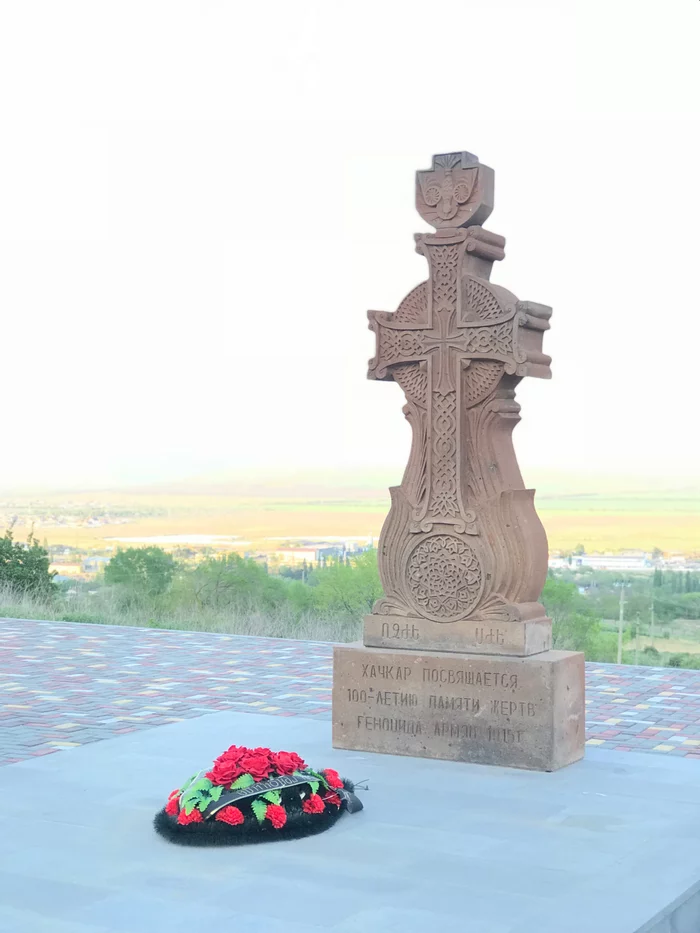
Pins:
x: 520, y: 712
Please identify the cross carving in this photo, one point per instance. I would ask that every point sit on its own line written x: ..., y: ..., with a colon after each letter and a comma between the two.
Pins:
x: 458, y: 318
x: 447, y: 339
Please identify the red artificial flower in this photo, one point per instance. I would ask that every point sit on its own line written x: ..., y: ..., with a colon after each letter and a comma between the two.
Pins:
x: 276, y: 815
x: 230, y: 815
x: 172, y: 806
x: 227, y: 766
x: 287, y: 762
x: 331, y: 797
x: 332, y: 777
x: 174, y: 793
x: 258, y: 766
x: 194, y: 817
x: 313, y: 804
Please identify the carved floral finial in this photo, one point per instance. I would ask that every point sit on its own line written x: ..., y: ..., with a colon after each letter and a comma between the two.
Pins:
x: 456, y: 192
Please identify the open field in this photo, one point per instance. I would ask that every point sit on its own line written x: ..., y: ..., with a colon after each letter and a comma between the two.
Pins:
x: 667, y: 645
x: 606, y: 520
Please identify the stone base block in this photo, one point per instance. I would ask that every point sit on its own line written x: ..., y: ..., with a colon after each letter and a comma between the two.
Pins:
x: 520, y: 638
x: 519, y: 712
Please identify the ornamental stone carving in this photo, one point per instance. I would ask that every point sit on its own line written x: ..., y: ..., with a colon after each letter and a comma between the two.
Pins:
x: 462, y: 540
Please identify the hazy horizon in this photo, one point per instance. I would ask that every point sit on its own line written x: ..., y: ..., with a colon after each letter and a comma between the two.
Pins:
x: 378, y: 478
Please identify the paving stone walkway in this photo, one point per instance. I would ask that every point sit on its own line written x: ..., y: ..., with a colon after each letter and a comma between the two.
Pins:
x: 64, y: 684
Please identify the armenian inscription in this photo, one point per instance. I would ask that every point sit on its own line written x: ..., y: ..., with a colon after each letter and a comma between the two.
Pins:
x: 530, y: 636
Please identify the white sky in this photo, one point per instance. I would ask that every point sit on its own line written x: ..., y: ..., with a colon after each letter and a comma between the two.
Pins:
x: 200, y: 200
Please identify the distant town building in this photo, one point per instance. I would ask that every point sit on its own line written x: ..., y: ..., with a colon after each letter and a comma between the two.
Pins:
x: 315, y: 554
x: 297, y: 555
x: 95, y: 564
x: 559, y: 563
x: 67, y: 570
x: 612, y: 561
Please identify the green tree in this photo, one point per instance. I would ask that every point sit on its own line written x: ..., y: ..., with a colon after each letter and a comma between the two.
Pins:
x: 232, y: 580
x: 350, y: 587
x: 144, y: 571
x: 575, y: 627
x: 25, y: 566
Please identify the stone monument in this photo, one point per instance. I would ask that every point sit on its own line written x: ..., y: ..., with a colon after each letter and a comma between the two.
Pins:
x: 457, y: 660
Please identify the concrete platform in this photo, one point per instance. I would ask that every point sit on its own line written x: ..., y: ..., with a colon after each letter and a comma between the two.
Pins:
x: 611, y: 844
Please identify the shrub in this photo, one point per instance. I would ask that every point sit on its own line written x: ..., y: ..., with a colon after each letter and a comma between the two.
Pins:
x: 231, y: 581
x: 146, y: 571
x: 25, y: 567
x: 351, y: 588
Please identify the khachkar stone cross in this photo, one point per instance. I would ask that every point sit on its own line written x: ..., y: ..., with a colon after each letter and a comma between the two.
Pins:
x: 463, y: 554
x: 462, y: 540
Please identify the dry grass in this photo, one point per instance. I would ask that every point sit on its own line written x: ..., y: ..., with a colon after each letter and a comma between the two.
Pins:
x: 667, y: 645
x: 106, y: 608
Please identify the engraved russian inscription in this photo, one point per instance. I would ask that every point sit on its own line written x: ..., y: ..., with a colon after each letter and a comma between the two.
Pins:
x: 478, y: 678
x: 389, y: 724
x: 459, y: 704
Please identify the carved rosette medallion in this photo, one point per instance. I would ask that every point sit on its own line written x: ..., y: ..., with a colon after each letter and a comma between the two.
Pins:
x: 462, y: 539
x: 444, y: 578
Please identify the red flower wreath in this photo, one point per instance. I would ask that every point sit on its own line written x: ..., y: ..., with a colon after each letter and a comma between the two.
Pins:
x: 240, y: 769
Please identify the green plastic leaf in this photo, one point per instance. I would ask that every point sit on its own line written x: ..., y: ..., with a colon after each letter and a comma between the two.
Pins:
x: 203, y: 784
x: 245, y: 780
x: 189, y: 806
x: 259, y: 808
x: 216, y: 792
x: 273, y: 796
x: 189, y: 781
x: 321, y: 779
x: 199, y: 796
x: 314, y: 786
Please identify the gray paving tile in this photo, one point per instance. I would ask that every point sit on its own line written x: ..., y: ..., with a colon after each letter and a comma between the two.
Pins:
x: 50, y: 899
x: 133, y: 912
x: 488, y: 849
x: 28, y: 921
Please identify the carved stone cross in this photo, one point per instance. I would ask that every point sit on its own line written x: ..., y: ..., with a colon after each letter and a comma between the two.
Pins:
x: 456, y: 660
x: 462, y: 540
